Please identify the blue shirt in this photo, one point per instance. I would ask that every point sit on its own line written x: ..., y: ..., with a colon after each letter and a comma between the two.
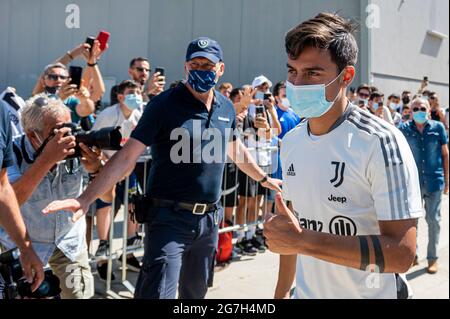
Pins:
x: 72, y: 102
x: 6, y: 150
x: 427, y: 151
x: 288, y: 120
x: 182, y: 133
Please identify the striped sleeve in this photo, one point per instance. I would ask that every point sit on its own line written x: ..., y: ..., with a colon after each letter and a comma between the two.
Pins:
x: 392, y: 171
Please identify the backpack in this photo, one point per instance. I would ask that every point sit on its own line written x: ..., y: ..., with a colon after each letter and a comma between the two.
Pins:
x: 225, y: 246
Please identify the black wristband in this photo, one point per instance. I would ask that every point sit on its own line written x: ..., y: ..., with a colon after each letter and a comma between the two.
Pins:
x: 92, y: 64
x: 264, y: 179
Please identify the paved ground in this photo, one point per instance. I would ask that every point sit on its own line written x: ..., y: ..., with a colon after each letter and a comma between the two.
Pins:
x: 255, y: 277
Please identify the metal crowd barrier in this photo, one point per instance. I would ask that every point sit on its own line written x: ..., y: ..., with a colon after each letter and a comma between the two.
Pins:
x: 124, y: 251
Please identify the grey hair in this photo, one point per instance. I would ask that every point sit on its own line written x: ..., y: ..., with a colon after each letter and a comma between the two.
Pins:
x: 53, y: 66
x: 33, y: 114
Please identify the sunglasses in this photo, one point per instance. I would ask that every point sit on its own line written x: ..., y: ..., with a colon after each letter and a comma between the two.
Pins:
x: 55, y: 77
x: 417, y: 109
x: 142, y: 69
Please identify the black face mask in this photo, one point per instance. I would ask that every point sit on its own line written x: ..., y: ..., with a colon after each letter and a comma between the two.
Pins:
x: 406, y: 100
x: 52, y: 90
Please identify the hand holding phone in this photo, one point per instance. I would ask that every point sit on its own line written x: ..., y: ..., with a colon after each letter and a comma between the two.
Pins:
x: 259, y: 111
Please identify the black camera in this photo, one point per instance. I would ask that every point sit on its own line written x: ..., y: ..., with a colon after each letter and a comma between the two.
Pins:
x: 107, y: 138
x: 14, y: 285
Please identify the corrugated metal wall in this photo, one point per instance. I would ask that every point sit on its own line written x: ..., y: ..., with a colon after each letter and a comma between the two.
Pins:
x: 251, y: 32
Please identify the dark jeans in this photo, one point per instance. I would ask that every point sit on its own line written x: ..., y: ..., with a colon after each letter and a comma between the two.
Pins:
x: 179, y: 249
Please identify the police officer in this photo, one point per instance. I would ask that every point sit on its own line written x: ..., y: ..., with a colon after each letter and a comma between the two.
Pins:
x: 10, y: 217
x: 189, y: 130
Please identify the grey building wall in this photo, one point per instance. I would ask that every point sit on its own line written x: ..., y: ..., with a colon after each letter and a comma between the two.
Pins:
x: 251, y: 32
x: 402, y: 51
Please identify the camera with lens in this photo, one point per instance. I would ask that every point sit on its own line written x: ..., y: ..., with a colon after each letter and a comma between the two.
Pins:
x: 107, y: 138
x: 14, y: 285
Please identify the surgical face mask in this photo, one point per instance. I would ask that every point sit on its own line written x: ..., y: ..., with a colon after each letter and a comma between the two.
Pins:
x: 394, y: 106
x: 364, y: 102
x: 407, y: 117
x: 133, y: 101
x: 309, y: 101
x: 259, y: 95
x: 420, y: 117
x: 202, y: 81
x: 375, y: 106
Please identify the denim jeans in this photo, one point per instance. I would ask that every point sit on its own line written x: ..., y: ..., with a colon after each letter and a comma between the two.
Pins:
x: 433, y: 218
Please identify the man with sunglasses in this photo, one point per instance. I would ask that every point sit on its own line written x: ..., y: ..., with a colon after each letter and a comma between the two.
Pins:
x: 41, y: 172
x: 57, y: 85
x: 428, y: 141
x: 139, y: 72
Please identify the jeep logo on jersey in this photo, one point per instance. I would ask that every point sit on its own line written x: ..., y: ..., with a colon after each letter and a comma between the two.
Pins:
x: 343, y: 226
x: 338, y: 178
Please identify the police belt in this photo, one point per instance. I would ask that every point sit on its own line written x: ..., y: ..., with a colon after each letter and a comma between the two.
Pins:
x: 195, y: 208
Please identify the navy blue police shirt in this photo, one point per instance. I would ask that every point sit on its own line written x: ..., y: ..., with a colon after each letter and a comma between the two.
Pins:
x: 6, y: 148
x: 188, y: 144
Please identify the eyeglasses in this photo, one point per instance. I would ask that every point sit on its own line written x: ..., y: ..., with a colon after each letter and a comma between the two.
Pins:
x: 142, y: 69
x: 55, y: 77
x: 417, y: 109
x: 41, y: 101
x: 363, y: 95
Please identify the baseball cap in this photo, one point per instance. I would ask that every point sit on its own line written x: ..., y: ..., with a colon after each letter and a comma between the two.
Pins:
x: 206, y: 48
x: 260, y: 80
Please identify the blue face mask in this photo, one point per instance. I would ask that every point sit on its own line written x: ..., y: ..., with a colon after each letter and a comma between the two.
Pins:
x: 202, y: 81
x: 420, y: 117
x: 309, y: 101
x: 375, y: 106
x: 133, y: 101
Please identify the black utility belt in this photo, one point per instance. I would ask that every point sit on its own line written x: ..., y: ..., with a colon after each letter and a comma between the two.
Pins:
x: 142, y: 203
x: 195, y: 208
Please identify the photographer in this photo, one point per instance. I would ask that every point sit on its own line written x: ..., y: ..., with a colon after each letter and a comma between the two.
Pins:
x: 40, y: 174
x: 10, y: 217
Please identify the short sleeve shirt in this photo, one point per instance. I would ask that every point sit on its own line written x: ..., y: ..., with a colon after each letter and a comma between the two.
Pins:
x: 344, y: 183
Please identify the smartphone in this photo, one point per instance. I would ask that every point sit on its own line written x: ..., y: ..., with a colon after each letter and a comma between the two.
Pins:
x: 75, y: 75
x: 267, y: 96
x: 160, y: 70
x: 260, y: 111
x: 103, y: 38
x: 90, y: 41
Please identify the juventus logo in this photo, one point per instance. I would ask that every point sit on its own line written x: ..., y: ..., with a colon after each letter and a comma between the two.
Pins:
x: 338, y: 178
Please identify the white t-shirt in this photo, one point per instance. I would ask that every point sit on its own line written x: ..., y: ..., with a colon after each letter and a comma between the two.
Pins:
x: 113, y: 116
x: 344, y: 183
